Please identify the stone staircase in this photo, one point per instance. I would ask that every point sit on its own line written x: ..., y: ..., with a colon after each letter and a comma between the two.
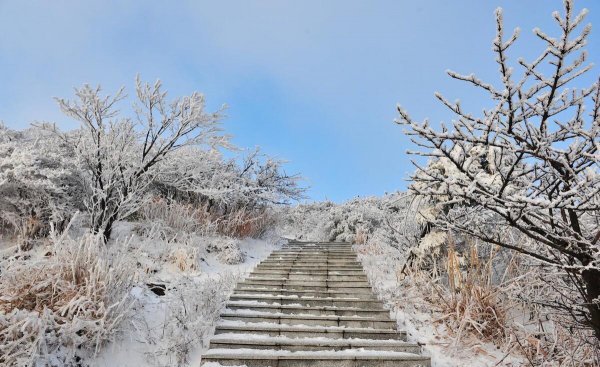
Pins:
x: 309, y: 304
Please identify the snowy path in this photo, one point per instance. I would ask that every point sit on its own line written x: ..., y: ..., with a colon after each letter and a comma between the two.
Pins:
x: 309, y: 304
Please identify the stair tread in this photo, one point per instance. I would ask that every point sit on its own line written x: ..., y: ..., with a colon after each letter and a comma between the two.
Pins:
x: 283, y: 340
x: 240, y: 325
x: 259, y: 314
x: 314, y: 355
x: 272, y: 305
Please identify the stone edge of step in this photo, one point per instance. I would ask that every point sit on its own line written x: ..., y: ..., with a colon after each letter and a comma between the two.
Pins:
x: 266, y: 315
x: 255, y: 354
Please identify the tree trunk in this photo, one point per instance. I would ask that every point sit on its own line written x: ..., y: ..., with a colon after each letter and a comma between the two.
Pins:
x: 109, y: 224
x: 591, y: 278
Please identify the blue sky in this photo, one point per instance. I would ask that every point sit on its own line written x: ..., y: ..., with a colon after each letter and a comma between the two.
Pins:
x: 312, y: 82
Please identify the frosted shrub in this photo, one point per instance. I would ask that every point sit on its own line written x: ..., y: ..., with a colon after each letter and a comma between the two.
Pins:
x: 357, y: 220
x: 185, y: 258
x: 179, y: 217
x: 245, y: 222
x: 228, y: 250
x: 39, y: 183
x: 62, y: 307
x: 226, y: 185
x: 191, y: 308
x: 231, y: 255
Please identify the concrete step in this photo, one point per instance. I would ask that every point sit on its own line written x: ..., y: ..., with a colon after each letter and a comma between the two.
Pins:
x: 309, y: 320
x: 308, y: 287
x: 314, y: 256
x: 310, y: 258
x: 303, y: 293
x: 306, y: 283
x: 310, y: 264
x: 280, y: 279
x: 308, y: 267
x: 317, y: 249
x: 312, y: 261
x: 323, y: 259
x: 323, y: 254
x: 314, y: 251
x: 241, y: 341
x: 307, y: 243
x: 312, y: 247
x: 316, y: 243
x: 312, y: 277
x: 290, y: 300
x: 284, y: 278
x: 309, y: 272
x: 363, y: 358
x: 301, y: 297
x: 312, y: 310
x: 297, y: 331
x: 316, y: 265
x: 340, y: 253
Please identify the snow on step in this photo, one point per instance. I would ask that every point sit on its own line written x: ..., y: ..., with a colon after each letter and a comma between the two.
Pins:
x: 309, y: 304
x: 316, y: 343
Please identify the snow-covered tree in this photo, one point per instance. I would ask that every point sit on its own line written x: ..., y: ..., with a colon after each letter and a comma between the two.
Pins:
x: 530, y: 163
x: 119, y: 153
x: 206, y: 176
x: 266, y: 182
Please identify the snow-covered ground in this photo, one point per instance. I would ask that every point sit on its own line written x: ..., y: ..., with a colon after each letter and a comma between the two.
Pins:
x: 173, y: 329
x: 181, y: 282
x: 177, y: 290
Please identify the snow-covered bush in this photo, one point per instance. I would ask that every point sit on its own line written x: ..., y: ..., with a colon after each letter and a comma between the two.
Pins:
x: 64, y: 305
x: 356, y: 220
x: 177, y: 217
x: 40, y: 183
x: 227, y: 249
x: 184, y: 257
x: 184, y: 318
x: 226, y: 185
x: 223, y: 196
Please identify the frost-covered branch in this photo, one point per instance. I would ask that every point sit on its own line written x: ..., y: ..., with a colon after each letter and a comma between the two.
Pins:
x: 530, y: 163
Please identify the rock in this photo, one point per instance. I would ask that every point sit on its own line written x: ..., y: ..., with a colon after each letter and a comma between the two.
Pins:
x: 157, y: 288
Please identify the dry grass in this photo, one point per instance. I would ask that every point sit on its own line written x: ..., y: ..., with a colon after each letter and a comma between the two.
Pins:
x: 23, y: 229
x: 361, y: 237
x: 185, y: 258
x: 466, y: 303
x: 238, y: 223
x: 473, y: 303
x: 180, y: 217
x: 244, y: 222
x: 475, y: 307
x: 68, y: 302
